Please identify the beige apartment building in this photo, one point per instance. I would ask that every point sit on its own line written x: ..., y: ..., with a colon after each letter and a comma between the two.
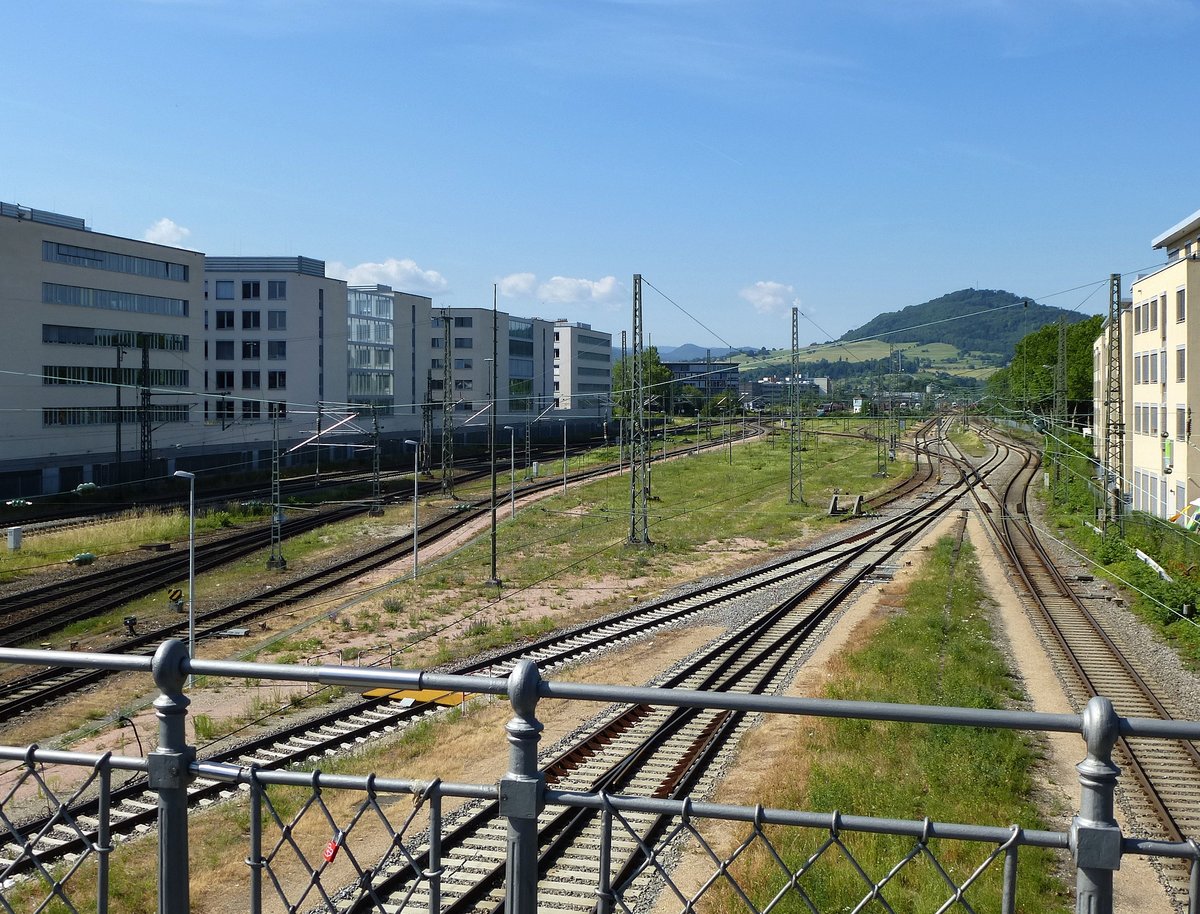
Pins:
x: 1159, y: 379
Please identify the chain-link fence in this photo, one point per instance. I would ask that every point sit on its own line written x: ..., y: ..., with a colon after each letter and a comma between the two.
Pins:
x: 309, y: 841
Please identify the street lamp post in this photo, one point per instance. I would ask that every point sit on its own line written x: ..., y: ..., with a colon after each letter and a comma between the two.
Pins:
x: 191, y: 478
x: 512, y: 468
x: 416, y: 469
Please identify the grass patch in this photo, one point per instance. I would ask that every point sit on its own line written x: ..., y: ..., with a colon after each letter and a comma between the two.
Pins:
x: 938, y: 650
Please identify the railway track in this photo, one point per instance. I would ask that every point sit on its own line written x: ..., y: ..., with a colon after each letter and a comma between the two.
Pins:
x: 1091, y: 663
x: 21, y: 694
x: 837, y: 570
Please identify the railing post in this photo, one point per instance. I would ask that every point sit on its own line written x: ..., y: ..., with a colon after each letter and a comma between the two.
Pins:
x: 434, y: 872
x: 1095, y: 835
x: 103, y: 835
x: 254, y: 857
x: 169, y: 777
x: 604, y: 896
x: 522, y: 791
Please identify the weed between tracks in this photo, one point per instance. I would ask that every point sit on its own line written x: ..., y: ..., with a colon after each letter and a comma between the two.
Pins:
x: 933, y: 651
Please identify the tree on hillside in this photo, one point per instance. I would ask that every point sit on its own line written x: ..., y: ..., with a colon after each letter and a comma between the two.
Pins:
x: 1027, y: 384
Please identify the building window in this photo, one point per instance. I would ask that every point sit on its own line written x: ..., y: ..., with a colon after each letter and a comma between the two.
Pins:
x: 105, y: 299
x: 1180, y: 363
x: 1180, y: 423
x: 277, y: 289
x: 126, y: 339
x: 1154, y: 421
x: 251, y: 409
x: 463, y: 364
x: 251, y: 380
x: 1137, y: 369
x: 277, y: 410
x: 225, y: 289
x: 1180, y: 305
x: 464, y: 384
x: 251, y: 349
x: 277, y: 380
x: 276, y: 320
x: 251, y: 289
x: 224, y: 351
x: 435, y: 363
x: 463, y: 342
x: 225, y: 409
x: 251, y: 320
x: 276, y: 349
x: 54, y: 252
x: 435, y: 343
x: 464, y: 322
x: 224, y: 380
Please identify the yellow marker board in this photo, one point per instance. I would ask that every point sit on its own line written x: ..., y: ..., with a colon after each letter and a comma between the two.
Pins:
x: 436, y: 696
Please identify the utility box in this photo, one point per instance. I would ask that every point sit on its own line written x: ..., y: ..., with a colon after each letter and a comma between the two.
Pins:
x: 14, y: 539
x: 534, y: 469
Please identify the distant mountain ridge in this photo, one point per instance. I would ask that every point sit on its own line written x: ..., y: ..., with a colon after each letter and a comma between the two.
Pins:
x: 997, y: 321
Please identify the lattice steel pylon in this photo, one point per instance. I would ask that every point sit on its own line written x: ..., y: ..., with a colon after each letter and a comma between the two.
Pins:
x: 145, y: 412
x: 639, y: 451
x: 1059, y: 423
x: 1114, y: 420
x: 276, y: 560
x: 796, y: 471
x: 447, y: 408
x: 376, y: 485
x: 426, y: 443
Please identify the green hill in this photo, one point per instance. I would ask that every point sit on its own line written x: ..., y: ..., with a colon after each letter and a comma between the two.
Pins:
x: 976, y: 320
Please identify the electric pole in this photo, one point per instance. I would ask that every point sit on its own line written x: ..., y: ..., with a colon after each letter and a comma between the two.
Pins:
x: 1114, y: 420
x: 639, y: 456
x: 796, y: 470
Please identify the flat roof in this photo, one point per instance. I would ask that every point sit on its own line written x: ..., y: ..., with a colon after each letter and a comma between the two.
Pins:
x: 1176, y: 232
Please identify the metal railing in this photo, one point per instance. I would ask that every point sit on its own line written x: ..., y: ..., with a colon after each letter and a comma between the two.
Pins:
x: 306, y: 853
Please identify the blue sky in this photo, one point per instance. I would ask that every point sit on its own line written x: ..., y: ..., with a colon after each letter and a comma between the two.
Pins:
x: 844, y: 157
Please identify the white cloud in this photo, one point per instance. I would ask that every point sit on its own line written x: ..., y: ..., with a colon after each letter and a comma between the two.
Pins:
x: 403, y: 275
x: 517, y: 285
x: 770, y: 297
x: 563, y: 290
x: 166, y: 231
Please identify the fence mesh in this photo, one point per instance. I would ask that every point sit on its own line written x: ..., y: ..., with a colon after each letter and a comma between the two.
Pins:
x: 41, y: 820
x: 319, y: 854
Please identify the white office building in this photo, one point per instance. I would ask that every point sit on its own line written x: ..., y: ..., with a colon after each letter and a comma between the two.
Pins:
x: 274, y: 351
x: 524, y: 363
x: 582, y: 368
x: 101, y: 351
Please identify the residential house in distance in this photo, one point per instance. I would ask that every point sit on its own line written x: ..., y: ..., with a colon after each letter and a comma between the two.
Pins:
x: 102, y: 351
